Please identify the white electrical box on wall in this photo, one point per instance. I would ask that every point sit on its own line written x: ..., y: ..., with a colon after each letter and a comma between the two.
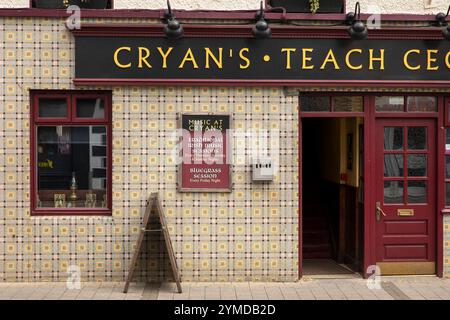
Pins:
x: 263, y: 170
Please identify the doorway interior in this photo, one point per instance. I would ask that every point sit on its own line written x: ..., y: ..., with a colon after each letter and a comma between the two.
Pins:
x: 332, y: 196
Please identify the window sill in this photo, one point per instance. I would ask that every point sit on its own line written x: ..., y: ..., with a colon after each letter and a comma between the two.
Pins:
x: 70, y: 212
x: 445, y: 211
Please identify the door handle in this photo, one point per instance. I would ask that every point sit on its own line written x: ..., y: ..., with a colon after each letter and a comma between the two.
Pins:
x: 379, y: 212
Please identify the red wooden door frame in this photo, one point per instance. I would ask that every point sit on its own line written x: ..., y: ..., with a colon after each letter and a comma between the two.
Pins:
x: 332, y: 114
x: 369, y: 117
x: 370, y: 178
x: 424, y: 211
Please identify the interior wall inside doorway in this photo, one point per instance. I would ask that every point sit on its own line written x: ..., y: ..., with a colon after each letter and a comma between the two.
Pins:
x: 332, y: 190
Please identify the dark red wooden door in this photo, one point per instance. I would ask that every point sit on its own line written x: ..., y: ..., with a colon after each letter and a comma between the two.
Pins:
x: 405, y: 209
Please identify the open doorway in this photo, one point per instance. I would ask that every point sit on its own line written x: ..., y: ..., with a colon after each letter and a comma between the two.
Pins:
x: 332, y: 196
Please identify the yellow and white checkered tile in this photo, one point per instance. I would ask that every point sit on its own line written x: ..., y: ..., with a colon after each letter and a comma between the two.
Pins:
x: 249, y: 234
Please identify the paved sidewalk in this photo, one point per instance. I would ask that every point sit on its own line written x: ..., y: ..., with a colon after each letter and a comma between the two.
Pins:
x: 392, y: 288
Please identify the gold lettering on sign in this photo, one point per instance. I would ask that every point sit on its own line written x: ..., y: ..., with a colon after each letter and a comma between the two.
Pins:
x: 288, y: 56
x: 330, y: 58
x: 244, y: 58
x: 189, y: 56
x: 307, y: 58
x: 209, y: 55
x: 447, y: 60
x: 144, y: 53
x: 372, y: 59
x: 164, y: 55
x: 406, y: 59
x: 116, y: 58
x: 431, y: 59
x: 347, y: 60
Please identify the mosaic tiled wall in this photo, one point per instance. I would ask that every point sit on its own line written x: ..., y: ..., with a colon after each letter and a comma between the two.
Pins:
x: 249, y: 234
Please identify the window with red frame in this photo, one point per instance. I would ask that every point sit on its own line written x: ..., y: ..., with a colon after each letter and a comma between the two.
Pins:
x: 71, y: 153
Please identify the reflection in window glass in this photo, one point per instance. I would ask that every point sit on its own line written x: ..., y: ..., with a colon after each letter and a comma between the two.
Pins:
x: 417, y: 192
x: 417, y: 138
x: 315, y: 104
x: 422, y: 104
x: 52, y: 108
x: 447, y: 140
x: 393, y: 165
x: 91, y: 108
x: 393, y: 192
x: 72, y: 166
x: 447, y: 194
x: 393, y: 138
x: 348, y: 104
x: 417, y: 165
x: 447, y: 167
x: 389, y: 104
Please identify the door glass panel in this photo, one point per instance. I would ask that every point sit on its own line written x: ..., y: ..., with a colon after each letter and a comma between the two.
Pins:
x: 393, y: 192
x: 417, y: 138
x: 315, y: 104
x: 393, y: 138
x: 52, y: 108
x: 422, y: 104
x: 393, y: 165
x: 417, y: 165
x: 348, y: 104
x: 389, y: 104
x: 417, y: 191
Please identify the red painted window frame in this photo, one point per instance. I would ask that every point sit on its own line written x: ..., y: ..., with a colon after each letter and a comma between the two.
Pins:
x: 71, y: 96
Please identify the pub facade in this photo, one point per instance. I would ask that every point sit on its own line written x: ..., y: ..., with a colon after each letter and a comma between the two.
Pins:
x: 283, y: 143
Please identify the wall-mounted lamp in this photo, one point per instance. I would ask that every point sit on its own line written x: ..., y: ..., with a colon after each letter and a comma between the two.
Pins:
x: 261, y: 29
x: 173, y: 29
x: 441, y: 21
x: 358, y: 29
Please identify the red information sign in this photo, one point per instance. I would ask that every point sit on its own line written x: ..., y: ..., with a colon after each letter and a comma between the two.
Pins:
x: 205, y: 163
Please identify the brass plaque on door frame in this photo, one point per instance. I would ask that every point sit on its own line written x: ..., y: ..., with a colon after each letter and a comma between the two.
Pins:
x: 405, y: 212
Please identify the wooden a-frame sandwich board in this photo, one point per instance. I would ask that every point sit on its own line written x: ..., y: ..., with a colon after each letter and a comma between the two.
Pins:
x: 154, y: 203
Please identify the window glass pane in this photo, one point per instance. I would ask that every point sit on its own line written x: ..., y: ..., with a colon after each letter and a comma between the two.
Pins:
x: 348, y: 104
x: 91, y: 108
x: 447, y: 194
x: 393, y: 138
x: 390, y: 104
x: 393, y: 165
x: 417, y: 138
x: 72, y: 166
x: 422, y: 104
x: 393, y: 192
x: 417, y: 165
x: 315, y: 104
x: 52, y: 108
x: 417, y: 191
x: 447, y: 140
x: 447, y: 167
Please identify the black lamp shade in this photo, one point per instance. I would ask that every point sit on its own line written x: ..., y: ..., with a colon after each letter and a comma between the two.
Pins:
x: 261, y: 30
x: 446, y: 33
x: 173, y: 29
x: 358, y: 30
